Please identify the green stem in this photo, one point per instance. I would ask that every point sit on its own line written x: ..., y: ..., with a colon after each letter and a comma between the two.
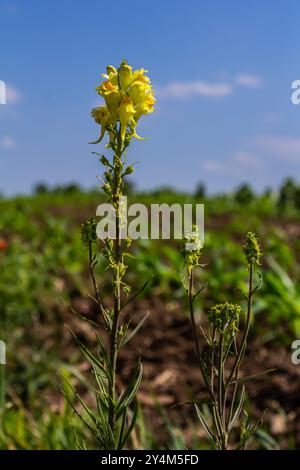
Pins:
x: 215, y: 410
x: 196, y: 336
x: 117, y: 291
x: 222, y: 394
x: 2, y: 389
x: 234, y: 389
x: 220, y: 374
x: 247, y: 328
x: 212, y: 359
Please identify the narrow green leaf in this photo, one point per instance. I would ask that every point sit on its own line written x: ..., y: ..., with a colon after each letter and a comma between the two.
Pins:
x: 130, y: 335
x: 130, y: 427
x: 131, y: 390
x: 238, y: 410
x: 87, y: 353
x: 137, y: 293
x: 202, y: 420
x: 250, y: 377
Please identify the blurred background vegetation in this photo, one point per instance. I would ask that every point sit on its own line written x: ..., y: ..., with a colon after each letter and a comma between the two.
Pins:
x: 44, y: 280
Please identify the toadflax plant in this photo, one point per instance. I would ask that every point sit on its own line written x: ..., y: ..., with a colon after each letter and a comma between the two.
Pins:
x: 128, y: 95
x: 224, y: 348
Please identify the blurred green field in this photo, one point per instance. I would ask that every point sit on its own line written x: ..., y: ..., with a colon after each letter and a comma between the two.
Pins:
x: 43, y: 272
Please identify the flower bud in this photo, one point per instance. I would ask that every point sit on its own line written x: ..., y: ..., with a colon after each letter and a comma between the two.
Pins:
x: 110, y: 69
x: 126, y: 112
x: 125, y: 75
x: 129, y: 170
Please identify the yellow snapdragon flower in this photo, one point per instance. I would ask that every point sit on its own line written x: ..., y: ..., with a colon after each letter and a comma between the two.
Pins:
x: 101, y: 116
x: 110, y: 93
x: 145, y: 106
x: 139, y: 75
x: 128, y: 95
x: 137, y: 91
x: 126, y: 113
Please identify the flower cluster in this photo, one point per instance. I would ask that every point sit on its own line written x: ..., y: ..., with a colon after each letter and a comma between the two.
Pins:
x: 192, y: 248
x: 224, y: 316
x: 88, y: 232
x: 128, y: 95
x: 252, y: 249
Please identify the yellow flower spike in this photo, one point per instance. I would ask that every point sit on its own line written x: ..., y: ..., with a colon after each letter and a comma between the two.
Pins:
x: 126, y: 113
x: 128, y: 95
x: 101, y: 116
x: 125, y: 76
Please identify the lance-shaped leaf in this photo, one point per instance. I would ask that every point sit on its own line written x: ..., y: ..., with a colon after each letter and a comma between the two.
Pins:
x: 137, y: 293
x: 87, y: 353
x: 131, y: 390
x: 128, y: 336
x: 124, y: 436
x: 238, y: 410
x: 202, y: 420
x: 250, y: 377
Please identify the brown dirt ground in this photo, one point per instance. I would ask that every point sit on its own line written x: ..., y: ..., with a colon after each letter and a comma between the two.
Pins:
x: 171, y: 374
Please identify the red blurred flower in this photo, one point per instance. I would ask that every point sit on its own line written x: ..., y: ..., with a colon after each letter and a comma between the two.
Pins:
x: 3, y: 244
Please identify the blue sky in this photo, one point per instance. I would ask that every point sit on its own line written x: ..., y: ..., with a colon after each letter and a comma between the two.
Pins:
x: 222, y: 71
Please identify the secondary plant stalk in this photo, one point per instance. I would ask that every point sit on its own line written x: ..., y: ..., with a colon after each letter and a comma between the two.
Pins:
x: 196, y: 336
x: 222, y: 342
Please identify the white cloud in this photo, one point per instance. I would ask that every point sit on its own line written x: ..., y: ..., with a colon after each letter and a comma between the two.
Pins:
x: 8, y: 143
x: 13, y: 95
x: 281, y: 147
x: 247, y: 159
x: 248, y: 80
x: 195, y: 88
x: 212, y: 165
x: 219, y: 89
x: 240, y: 164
